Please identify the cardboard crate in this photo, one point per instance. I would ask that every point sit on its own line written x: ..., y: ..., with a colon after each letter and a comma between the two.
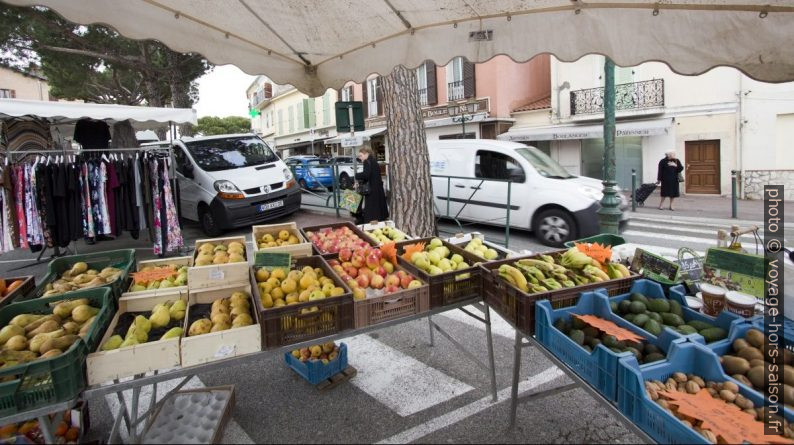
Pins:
x: 179, y: 261
x: 224, y: 344
x: 104, y: 366
x: 302, y: 249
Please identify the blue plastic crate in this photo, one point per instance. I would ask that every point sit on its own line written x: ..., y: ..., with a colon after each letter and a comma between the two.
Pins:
x: 652, y: 289
x: 788, y: 330
x: 315, y: 371
x: 598, y: 368
x: 661, y: 426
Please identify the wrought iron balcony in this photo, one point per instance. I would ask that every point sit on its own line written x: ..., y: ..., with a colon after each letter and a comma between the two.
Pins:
x: 423, y: 96
x: 455, y: 90
x: 628, y: 96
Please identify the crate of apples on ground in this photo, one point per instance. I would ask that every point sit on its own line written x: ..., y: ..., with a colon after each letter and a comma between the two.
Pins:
x: 370, y: 274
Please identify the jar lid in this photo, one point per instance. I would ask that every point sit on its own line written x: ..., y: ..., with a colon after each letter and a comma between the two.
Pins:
x: 740, y: 298
x: 712, y: 289
x: 694, y: 302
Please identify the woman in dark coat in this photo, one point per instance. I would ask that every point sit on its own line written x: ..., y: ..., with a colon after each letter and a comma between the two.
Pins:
x: 669, y: 168
x: 374, y: 203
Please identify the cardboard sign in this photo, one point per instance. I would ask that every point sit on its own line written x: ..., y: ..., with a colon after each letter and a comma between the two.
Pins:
x: 159, y: 273
x: 691, y: 268
x: 610, y: 328
x: 271, y: 260
x: 734, y: 270
x: 654, y: 266
x: 723, y: 419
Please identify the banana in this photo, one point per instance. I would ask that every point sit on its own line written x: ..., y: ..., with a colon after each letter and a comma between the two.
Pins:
x: 531, y: 270
x: 547, y: 258
x: 595, y: 271
x: 507, y: 277
x: 623, y: 270
x: 521, y: 281
x: 580, y: 280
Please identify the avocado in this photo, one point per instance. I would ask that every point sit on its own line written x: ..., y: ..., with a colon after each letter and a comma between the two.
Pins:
x: 609, y: 341
x: 577, y: 336
x: 613, y: 306
x: 686, y: 329
x: 650, y: 348
x: 655, y: 316
x: 675, y: 308
x: 594, y: 342
x: 637, y: 307
x: 562, y: 326
x: 624, y: 306
x: 713, y: 334
x: 699, y: 325
x: 590, y: 331
x: 587, y: 348
x: 653, y: 327
x: 672, y: 319
x: 615, y: 350
x: 637, y: 354
x: 653, y: 357
x: 640, y: 319
x: 578, y: 323
x: 659, y: 305
x: 636, y: 296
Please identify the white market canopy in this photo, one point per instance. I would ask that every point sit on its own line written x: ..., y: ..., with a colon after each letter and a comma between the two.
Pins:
x: 315, y: 45
x: 69, y: 112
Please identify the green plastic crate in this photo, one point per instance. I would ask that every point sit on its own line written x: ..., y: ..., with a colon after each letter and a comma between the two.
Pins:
x: 57, y: 379
x: 603, y: 238
x: 123, y: 259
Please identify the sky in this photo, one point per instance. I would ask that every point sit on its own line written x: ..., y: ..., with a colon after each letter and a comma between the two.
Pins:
x: 222, y: 92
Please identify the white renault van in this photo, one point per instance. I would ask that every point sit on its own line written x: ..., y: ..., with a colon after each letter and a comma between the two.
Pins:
x: 544, y: 197
x: 230, y: 181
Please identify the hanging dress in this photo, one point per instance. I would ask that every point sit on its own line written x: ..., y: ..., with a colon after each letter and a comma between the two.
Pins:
x: 175, y: 240
x: 19, y: 191
x: 88, y: 217
x: 156, y: 207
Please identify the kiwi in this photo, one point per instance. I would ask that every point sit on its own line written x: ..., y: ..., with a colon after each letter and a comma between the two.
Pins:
x: 757, y: 377
x: 755, y: 337
x: 750, y: 353
x: 788, y: 357
x: 756, y: 362
x: 743, y: 378
x: 735, y: 365
x: 739, y: 344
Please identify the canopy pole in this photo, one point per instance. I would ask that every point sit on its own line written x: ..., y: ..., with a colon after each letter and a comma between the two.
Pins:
x: 609, y: 213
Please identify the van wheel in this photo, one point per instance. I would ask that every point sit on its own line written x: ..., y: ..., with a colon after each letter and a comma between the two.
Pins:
x: 208, y: 224
x: 554, y: 227
x: 344, y: 181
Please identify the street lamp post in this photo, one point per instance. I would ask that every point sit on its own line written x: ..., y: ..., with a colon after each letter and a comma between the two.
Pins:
x: 609, y: 213
x: 462, y: 112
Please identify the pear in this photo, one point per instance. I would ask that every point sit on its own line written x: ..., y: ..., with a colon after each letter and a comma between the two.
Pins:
x: 17, y: 343
x: 10, y: 331
x: 82, y: 313
x: 172, y: 333
x: 78, y: 268
x: 161, y: 318
x: 143, y: 323
x: 200, y: 326
x: 23, y: 320
x: 64, y: 309
x: 39, y: 339
x: 242, y: 320
x: 165, y: 284
x: 181, y: 279
x: 177, y: 311
x: 113, y: 342
x: 139, y: 335
x: 129, y: 341
x: 137, y: 288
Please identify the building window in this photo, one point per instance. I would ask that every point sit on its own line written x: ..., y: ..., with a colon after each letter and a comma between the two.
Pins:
x: 347, y: 94
x: 326, y: 109
x: 268, y: 89
x: 455, y: 79
x: 372, y: 95
x: 421, y: 83
x: 8, y: 94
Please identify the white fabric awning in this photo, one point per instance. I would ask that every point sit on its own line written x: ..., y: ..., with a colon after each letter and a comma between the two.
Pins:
x: 318, y: 46
x: 66, y: 112
x: 561, y: 132
x: 365, y: 135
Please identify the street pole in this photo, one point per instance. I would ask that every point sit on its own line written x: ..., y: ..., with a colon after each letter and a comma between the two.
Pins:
x: 463, y: 125
x: 733, y: 194
x: 609, y: 213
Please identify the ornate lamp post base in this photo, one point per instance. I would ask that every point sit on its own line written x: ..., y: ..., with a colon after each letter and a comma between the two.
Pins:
x: 609, y: 214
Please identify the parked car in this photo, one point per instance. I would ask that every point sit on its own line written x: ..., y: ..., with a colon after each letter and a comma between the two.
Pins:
x: 556, y: 205
x: 311, y: 172
x: 344, y: 166
x: 230, y: 181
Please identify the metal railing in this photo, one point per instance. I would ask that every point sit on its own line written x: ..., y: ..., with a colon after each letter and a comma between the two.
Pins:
x: 628, y: 96
x: 455, y: 90
x: 423, y: 96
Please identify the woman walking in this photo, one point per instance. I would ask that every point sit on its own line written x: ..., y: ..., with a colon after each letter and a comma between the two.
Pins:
x: 371, y: 187
x: 670, y: 169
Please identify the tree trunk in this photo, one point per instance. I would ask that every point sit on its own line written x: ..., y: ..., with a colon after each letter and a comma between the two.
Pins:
x: 409, y: 169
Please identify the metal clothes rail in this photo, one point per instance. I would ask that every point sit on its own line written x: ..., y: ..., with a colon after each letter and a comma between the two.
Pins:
x: 132, y: 420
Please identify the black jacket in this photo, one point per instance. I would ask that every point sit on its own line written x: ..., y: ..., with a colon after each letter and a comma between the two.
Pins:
x: 374, y: 204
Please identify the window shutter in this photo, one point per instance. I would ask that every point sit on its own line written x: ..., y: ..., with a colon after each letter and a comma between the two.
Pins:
x: 311, y: 115
x: 379, y: 98
x: 468, y: 79
x: 364, y: 87
x: 300, y: 116
x: 432, y: 88
x: 326, y: 109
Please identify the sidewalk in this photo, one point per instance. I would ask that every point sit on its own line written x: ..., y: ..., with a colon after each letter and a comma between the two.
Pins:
x: 711, y: 207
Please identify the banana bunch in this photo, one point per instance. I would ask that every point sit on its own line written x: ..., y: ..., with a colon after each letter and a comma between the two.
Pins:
x: 544, y: 274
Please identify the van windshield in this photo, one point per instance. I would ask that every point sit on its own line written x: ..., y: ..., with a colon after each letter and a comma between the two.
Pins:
x: 546, y: 166
x: 226, y: 154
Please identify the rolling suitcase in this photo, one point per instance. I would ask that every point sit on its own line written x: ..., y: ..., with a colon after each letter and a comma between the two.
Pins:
x: 643, y: 192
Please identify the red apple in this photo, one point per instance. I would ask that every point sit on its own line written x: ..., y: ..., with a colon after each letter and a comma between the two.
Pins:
x: 373, y: 261
x: 345, y: 254
x: 363, y: 280
x: 357, y: 260
x: 352, y: 271
x: 339, y: 269
x: 400, y: 273
x: 376, y: 282
x: 333, y: 262
x: 364, y: 271
x: 347, y: 264
x: 392, y: 280
x: 381, y: 271
x: 392, y: 289
x: 351, y: 283
x: 405, y: 280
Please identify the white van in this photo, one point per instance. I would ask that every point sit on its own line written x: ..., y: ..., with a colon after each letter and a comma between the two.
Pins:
x: 233, y: 180
x: 544, y: 197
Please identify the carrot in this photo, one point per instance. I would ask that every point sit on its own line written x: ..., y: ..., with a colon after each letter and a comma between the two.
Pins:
x: 410, y: 249
x: 2, y: 287
x: 13, y: 286
x: 389, y: 252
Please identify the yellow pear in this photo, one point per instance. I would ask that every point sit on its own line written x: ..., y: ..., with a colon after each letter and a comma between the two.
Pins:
x: 161, y: 318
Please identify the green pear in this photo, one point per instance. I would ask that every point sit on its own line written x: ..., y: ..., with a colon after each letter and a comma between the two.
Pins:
x: 137, y: 288
x: 129, y: 341
x: 161, y: 318
x: 143, y: 323
x: 435, y: 242
x: 172, y: 333
x: 113, y: 342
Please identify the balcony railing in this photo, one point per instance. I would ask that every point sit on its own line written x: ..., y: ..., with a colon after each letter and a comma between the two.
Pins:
x: 628, y: 96
x: 423, y: 96
x: 455, y: 90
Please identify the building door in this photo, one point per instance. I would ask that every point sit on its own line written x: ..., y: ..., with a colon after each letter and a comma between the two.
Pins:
x: 702, y: 169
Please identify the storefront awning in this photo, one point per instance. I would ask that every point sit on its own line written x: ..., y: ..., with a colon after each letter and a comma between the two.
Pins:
x: 562, y: 132
x: 69, y: 112
x: 365, y: 135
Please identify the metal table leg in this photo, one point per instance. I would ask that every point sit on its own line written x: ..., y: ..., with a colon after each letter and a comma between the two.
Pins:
x: 516, y: 370
x: 46, y: 429
x: 491, y: 361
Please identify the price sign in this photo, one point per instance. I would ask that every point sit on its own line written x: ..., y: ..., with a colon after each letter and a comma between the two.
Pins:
x: 271, y: 260
x: 654, y: 266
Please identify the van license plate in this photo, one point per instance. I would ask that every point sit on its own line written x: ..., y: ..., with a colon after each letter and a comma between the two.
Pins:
x: 271, y: 205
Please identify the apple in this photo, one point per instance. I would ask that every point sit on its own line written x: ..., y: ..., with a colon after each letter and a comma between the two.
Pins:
x: 364, y: 271
x: 345, y: 254
x: 383, y: 261
x: 357, y: 260
x: 381, y: 271
x: 351, y: 283
x: 352, y: 271
x: 363, y: 280
x: 414, y: 284
x: 347, y: 264
x: 373, y: 261
x: 392, y: 280
x: 359, y: 293
x: 405, y: 280
x: 392, y: 289
x: 400, y: 273
x: 387, y: 265
x: 339, y: 269
x: 377, y: 282
x: 310, y: 234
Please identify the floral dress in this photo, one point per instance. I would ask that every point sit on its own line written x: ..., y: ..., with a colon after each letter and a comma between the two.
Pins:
x: 156, y: 207
x: 19, y: 191
x: 88, y: 217
x: 175, y: 240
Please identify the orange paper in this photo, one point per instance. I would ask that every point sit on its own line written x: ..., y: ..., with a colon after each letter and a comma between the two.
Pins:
x: 389, y: 252
x: 153, y: 275
x: 610, y: 328
x: 410, y: 249
x: 723, y: 419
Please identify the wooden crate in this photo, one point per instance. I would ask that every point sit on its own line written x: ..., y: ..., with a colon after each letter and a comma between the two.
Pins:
x: 354, y: 228
x: 28, y: 283
x: 380, y: 225
x: 180, y: 261
x: 225, y: 241
x: 225, y: 344
x: 104, y: 366
x: 461, y: 239
x: 218, y: 275
x: 302, y: 249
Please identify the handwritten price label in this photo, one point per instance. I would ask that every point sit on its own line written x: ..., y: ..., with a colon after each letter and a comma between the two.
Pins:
x: 610, y: 328
x: 153, y: 275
